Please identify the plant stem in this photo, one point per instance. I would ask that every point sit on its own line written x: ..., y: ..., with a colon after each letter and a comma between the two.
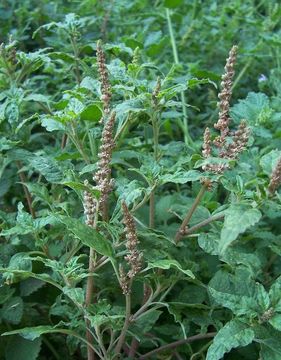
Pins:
x: 187, y: 137
x: 182, y: 230
x: 89, y: 294
x: 147, y: 296
x: 178, y: 343
x: 152, y: 209
x: 76, y: 56
x: 125, y: 326
x: 204, y: 223
x: 63, y: 141
x: 25, y: 189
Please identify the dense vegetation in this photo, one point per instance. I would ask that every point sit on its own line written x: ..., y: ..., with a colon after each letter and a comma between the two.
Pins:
x: 140, y: 177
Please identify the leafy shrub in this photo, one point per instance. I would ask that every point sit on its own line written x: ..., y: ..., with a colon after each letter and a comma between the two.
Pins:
x: 137, y: 221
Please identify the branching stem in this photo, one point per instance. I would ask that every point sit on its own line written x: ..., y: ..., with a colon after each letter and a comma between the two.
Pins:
x: 204, y: 223
x: 182, y: 230
x: 125, y: 326
x: 25, y: 189
x: 178, y: 343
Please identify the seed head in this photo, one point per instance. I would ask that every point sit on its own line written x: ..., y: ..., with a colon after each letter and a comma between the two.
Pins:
x: 275, y: 180
x: 134, y: 257
x: 156, y: 92
x: 225, y: 96
x: 239, y: 143
x: 124, y: 281
x: 89, y: 204
x: 103, y: 176
x: 103, y: 74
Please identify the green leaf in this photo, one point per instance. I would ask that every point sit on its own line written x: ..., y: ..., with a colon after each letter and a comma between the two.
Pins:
x: 238, y: 218
x: 269, y: 161
x: 270, y: 340
x: 75, y: 294
x: 5, y: 293
x: 51, y: 124
x: 22, y: 349
x: 6, y: 144
x: 254, y: 109
x: 29, y: 286
x: 239, y: 293
x: 37, y: 98
x: 48, y: 167
x: 91, y: 113
x: 234, y: 334
x: 32, y: 333
x: 180, y: 177
x: 275, y: 321
x: 191, y: 83
x: 75, y: 185
x: 12, y: 310
x: 88, y: 236
x: 172, y: 3
x: 275, y: 294
x: 167, y: 264
x: 145, y: 321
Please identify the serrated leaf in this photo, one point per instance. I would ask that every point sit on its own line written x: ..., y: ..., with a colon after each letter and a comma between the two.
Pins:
x: 269, y: 161
x: 180, y: 177
x: 88, y: 236
x: 91, y: 113
x: 21, y: 349
x: 234, y: 334
x: 270, y: 340
x: 12, y: 310
x: 51, y: 124
x: 5, y: 293
x: 29, y: 286
x: 75, y: 294
x: 239, y: 294
x: 167, y: 264
x: 48, y: 167
x: 146, y: 321
x: 238, y: 219
x: 254, y: 109
x: 37, y: 97
x: 275, y: 294
x: 6, y: 144
x: 275, y: 321
x: 32, y: 333
x: 75, y: 185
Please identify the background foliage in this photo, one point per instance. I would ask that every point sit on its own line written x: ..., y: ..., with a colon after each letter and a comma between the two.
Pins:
x: 224, y: 277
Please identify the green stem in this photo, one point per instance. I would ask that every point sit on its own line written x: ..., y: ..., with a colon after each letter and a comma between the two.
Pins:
x: 91, y: 141
x: 204, y: 223
x: 51, y: 348
x: 187, y: 137
x: 89, y: 295
x: 182, y: 230
x: 76, y: 56
x: 25, y: 189
x: 177, y: 343
x: 125, y: 326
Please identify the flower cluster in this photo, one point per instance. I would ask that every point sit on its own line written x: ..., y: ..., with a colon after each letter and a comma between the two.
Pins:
x: 134, y: 256
x: 102, y: 177
x: 105, y: 84
x: 275, y: 180
x: 229, y: 144
x: 89, y: 204
x: 156, y: 92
